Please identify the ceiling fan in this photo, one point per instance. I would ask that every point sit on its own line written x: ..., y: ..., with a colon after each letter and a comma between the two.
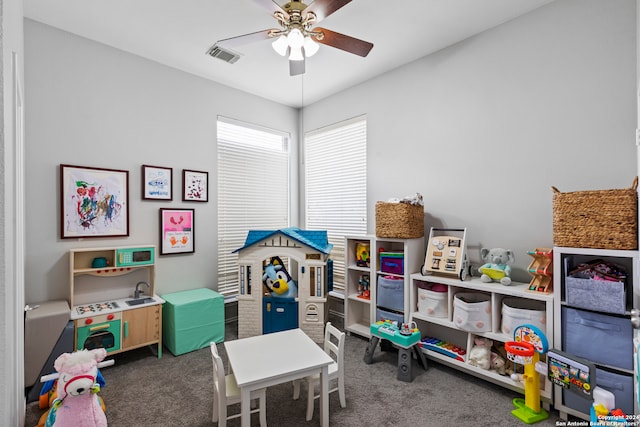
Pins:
x: 297, y: 36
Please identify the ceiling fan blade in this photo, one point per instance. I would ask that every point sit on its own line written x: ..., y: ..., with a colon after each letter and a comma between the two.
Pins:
x: 271, y: 6
x: 296, y: 67
x: 244, y: 39
x: 344, y: 42
x: 324, y: 8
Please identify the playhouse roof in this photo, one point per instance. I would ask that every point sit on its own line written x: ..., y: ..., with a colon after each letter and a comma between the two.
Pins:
x: 315, y: 239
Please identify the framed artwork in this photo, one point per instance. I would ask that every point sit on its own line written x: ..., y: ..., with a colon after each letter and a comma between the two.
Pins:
x: 176, y: 231
x: 94, y: 202
x: 195, y: 186
x: 157, y: 183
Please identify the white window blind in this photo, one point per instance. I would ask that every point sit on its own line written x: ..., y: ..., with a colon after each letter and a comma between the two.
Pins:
x: 253, y: 190
x: 336, y: 185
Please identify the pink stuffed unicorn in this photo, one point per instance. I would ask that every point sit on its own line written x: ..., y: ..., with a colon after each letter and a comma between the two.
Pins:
x: 77, y: 404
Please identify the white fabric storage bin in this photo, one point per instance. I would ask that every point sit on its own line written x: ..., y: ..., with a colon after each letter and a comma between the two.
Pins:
x: 472, y: 312
x: 519, y: 311
x: 432, y: 301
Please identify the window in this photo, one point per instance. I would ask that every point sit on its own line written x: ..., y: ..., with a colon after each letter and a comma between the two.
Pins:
x: 336, y: 185
x: 253, y: 190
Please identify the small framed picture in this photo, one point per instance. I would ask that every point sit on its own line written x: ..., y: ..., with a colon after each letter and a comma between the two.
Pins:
x: 94, y: 202
x: 177, y: 231
x: 195, y: 186
x: 157, y: 183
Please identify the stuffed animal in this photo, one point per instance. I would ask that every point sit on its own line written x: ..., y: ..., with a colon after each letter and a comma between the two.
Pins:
x: 480, y: 354
x: 498, y: 364
x: 77, y: 403
x: 497, y: 265
x: 278, y: 280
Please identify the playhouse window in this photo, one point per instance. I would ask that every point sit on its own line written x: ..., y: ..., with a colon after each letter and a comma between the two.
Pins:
x: 245, y: 280
x: 315, y: 281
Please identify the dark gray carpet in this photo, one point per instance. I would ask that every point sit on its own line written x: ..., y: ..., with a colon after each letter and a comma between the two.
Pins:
x: 142, y: 390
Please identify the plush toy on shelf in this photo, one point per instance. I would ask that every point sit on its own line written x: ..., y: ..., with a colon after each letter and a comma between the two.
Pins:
x: 496, y: 267
x: 77, y: 402
x: 480, y: 354
x: 498, y: 364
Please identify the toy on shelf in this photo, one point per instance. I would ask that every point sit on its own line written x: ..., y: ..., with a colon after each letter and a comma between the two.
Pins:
x: 496, y: 267
x: 480, y: 354
x: 443, y: 347
x: 77, y: 381
x: 362, y: 254
x: 541, y: 268
x: 446, y: 252
x: 363, y: 287
x: 529, y: 343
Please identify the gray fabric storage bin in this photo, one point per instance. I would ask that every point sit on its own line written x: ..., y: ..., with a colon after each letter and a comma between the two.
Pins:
x: 389, y: 315
x: 602, y: 339
x: 619, y: 384
x: 390, y: 293
x: 599, y: 295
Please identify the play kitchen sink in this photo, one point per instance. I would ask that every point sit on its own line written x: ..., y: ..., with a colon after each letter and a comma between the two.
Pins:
x: 139, y: 301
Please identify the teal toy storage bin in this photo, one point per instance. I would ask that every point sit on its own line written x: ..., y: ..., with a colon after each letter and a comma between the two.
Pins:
x: 192, y: 319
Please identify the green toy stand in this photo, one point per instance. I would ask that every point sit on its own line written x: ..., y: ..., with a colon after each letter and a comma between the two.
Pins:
x: 529, y: 343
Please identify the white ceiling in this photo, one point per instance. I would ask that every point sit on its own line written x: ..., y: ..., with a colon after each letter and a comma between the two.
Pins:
x: 178, y: 33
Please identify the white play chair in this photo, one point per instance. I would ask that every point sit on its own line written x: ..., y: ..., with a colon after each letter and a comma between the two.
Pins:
x: 334, y: 347
x: 227, y: 393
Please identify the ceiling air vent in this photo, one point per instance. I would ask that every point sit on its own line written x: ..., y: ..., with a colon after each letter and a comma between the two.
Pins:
x: 225, y: 54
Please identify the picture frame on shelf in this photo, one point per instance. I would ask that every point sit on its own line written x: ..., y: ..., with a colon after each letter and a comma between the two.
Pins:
x: 177, y: 231
x: 157, y: 183
x: 195, y: 186
x: 94, y: 202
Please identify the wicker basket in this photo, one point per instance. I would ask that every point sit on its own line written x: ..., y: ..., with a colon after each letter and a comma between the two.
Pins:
x: 399, y: 220
x: 602, y: 219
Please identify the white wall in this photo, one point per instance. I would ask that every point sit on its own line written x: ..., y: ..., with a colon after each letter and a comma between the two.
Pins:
x: 11, y: 219
x: 484, y: 128
x: 91, y: 105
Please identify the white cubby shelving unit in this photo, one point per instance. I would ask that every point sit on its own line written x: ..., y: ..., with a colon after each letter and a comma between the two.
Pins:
x: 446, y: 330
x: 359, y: 312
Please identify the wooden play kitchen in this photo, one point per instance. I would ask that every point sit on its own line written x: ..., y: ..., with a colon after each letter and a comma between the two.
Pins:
x: 112, y: 298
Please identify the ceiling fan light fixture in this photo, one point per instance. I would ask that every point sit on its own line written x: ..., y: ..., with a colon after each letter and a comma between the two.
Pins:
x: 310, y: 47
x: 281, y: 45
x: 296, y: 54
x: 295, y: 38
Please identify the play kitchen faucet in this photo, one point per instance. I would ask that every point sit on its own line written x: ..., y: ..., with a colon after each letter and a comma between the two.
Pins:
x: 138, y: 291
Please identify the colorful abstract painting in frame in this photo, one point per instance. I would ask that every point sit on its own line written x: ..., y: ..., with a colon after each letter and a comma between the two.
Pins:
x: 195, y: 186
x: 94, y: 202
x: 177, y: 231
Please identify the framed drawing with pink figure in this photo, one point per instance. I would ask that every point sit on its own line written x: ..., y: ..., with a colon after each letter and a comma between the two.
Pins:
x: 176, y: 231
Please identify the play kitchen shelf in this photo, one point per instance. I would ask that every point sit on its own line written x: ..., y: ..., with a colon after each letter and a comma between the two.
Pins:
x: 389, y: 263
x: 451, y: 330
x: 104, y: 306
x: 595, y: 291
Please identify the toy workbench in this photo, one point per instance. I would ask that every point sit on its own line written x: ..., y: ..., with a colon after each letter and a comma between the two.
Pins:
x: 405, y: 337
